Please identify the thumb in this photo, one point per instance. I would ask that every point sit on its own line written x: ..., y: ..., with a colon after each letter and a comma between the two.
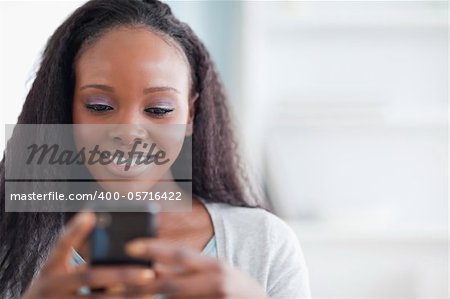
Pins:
x: 72, y: 238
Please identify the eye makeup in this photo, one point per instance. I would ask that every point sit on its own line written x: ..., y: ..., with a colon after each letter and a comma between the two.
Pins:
x: 159, y: 108
x: 159, y: 111
x: 98, y: 104
x: 156, y: 108
x: 98, y: 100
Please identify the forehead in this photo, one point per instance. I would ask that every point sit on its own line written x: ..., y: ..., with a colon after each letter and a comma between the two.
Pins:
x: 136, y: 54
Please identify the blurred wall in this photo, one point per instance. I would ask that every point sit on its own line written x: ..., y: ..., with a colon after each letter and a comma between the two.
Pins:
x: 346, y: 120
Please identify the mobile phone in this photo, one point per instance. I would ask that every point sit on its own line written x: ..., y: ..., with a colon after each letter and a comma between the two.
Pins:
x: 113, y: 230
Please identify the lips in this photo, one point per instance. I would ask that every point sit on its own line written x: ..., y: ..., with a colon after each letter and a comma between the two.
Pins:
x: 126, y: 166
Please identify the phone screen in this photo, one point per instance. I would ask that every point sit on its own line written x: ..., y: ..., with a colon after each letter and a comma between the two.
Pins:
x: 113, y: 230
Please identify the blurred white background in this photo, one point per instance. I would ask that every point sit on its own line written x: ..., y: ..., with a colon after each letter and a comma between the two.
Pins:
x: 342, y: 111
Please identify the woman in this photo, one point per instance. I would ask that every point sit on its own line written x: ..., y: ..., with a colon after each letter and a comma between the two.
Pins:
x: 93, y: 70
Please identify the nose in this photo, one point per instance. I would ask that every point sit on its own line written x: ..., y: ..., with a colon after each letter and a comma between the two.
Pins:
x: 127, y: 134
x: 127, y: 126
x: 127, y: 129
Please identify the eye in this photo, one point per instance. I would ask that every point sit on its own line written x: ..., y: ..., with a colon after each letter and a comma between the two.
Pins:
x: 159, y: 111
x: 98, y: 107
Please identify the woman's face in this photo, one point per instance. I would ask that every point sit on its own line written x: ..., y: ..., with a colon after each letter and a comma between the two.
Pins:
x: 131, y: 88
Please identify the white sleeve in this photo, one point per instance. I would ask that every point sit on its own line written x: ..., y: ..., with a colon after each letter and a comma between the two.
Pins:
x: 288, y: 275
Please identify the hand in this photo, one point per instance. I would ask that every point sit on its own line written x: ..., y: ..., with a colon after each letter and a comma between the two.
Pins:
x: 58, y: 279
x: 184, y: 273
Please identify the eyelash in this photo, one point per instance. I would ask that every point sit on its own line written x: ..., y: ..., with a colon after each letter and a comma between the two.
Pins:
x: 98, y: 107
x: 156, y: 111
x: 159, y: 111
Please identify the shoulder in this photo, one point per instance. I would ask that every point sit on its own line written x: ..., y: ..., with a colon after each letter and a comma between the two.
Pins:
x: 250, y: 222
x: 263, y: 245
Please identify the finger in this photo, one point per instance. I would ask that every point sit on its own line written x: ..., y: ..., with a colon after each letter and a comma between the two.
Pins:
x: 198, y: 285
x: 76, y: 232
x: 168, y: 253
x: 165, y: 271
x: 120, y: 296
x: 59, y: 297
x: 99, y: 277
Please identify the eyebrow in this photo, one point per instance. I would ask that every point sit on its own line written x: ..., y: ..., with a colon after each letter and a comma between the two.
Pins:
x: 160, y: 88
x: 145, y: 91
x: 98, y: 86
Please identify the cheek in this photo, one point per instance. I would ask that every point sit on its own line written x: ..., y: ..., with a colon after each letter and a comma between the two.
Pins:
x: 168, y: 137
x: 78, y: 115
x: 182, y: 113
x: 89, y: 136
x: 82, y: 116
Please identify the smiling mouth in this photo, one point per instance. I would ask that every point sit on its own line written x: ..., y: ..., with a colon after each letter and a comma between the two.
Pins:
x: 125, y: 165
x: 131, y: 160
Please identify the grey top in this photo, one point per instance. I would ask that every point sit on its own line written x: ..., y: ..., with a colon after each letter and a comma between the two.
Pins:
x: 259, y: 244
x: 263, y: 246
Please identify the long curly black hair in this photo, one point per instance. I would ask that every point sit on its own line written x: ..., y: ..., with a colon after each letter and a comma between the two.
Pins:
x: 26, y: 238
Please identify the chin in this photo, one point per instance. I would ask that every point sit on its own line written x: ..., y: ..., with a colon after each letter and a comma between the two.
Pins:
x: 126, y: 188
